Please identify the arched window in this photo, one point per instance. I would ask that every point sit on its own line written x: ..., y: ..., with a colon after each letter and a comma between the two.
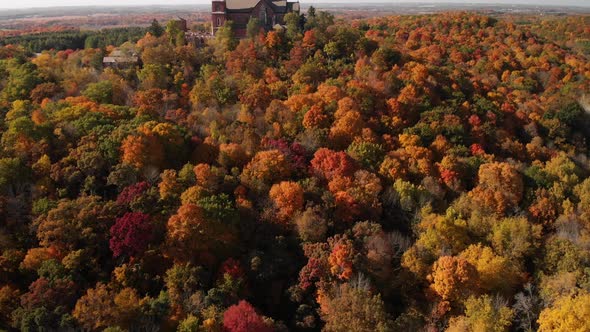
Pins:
x: 262, y: 15
x: 219, y: 21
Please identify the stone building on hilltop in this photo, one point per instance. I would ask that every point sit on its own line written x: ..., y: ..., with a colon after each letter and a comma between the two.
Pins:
x: 269, y: 13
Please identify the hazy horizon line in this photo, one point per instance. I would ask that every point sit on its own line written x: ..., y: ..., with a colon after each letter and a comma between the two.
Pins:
x: 156, y: 3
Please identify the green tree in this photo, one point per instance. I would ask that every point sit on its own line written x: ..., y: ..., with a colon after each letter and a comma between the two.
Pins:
x: 101, y: 92
x: 225, y: 36
x: 154, y: 76
x: 13, y: 174
x: 156, y: 28
x: 253, y: 27
x: 175, y: 33
x: 293, y: 22
x: 22, y: 79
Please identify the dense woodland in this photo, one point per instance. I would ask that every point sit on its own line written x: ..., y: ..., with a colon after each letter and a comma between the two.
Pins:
x: 74, y: 39
x: 405, y: 173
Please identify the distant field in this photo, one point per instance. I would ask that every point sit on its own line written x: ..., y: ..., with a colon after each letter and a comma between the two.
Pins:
x: 39, y: 20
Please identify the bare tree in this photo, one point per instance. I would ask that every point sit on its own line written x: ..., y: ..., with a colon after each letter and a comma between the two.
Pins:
x: 527, y: 307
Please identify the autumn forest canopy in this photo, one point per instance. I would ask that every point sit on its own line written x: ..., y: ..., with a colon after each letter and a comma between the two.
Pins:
x: 403, y: 173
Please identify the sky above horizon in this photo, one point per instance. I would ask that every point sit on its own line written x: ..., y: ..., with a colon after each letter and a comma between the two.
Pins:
x: 7, y: 4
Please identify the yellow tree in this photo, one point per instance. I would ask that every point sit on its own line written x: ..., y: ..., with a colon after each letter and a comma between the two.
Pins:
x: 496, y: 273
x: 351, y: 307
x: 169, y: 186
x: 567, y: 314
x: 191, y: 233
x: 500, y: 187
x: 287, y: 198
x: 265, y: 168
x: 348, y: 124
x: 514, y: 237
x: 483, y: 314
x: 453, y: 278
x: 141, y: 151
x: 102, y: 307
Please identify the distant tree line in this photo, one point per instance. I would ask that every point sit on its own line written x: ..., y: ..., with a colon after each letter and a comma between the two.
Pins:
x: 75, y: 39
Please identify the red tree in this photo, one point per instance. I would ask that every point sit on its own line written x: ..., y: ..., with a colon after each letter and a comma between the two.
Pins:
x: 51, y: 294
x: 130, y: 193
x: 231, y: 267
x: 130, y: 234
x: 327, y: 164
x: 243, y: 318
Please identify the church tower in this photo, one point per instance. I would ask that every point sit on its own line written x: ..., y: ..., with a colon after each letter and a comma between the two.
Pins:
x: 218, y: 15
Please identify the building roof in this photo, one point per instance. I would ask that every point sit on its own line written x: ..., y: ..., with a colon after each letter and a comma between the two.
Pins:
x: 120, y: 59
x: 241, y: 4
x: 280, y: 5
x: 117, y: 53
x: 118, y: 56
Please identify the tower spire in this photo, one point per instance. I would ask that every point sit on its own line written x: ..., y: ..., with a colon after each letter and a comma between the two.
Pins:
x: 218, y: 14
